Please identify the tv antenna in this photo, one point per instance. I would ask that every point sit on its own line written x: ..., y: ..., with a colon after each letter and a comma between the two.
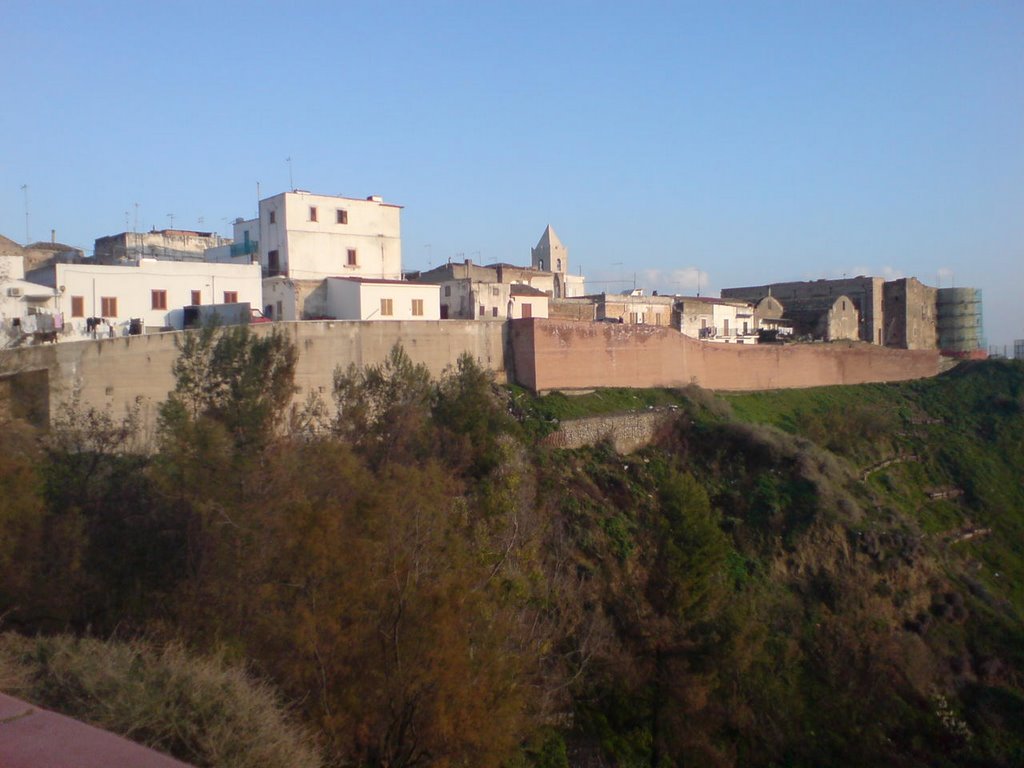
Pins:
x: 170, y: 217
x: 28, y: 237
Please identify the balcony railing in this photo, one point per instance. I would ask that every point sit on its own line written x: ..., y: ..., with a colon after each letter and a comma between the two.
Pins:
x: 244, y: 249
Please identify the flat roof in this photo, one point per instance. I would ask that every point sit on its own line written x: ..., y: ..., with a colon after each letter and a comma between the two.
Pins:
x: 381, y: 281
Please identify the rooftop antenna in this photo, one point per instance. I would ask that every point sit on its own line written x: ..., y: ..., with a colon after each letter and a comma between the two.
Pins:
x: 291, y: 182
x: 28, y: 237
x: 430, y: 260
x: 135, y: 227
x: 170, y: 216
x: 698, y: 282
x: 126, y: 220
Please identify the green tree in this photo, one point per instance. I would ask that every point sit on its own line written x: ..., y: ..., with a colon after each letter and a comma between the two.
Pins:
x: 384, y: 410
x: 470, y: 418
x: 240, y: 380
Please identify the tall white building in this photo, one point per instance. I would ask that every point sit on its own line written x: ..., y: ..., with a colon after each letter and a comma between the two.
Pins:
x: 311, y: 237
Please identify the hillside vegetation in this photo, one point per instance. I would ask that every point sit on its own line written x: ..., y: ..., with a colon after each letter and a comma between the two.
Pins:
x: 801, y: 578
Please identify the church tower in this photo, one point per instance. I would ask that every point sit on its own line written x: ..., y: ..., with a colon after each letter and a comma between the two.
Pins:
x: 551, y: 256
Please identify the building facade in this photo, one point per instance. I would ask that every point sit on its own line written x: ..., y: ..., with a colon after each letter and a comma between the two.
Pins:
x: 473, y: 292
x: 312, y: 237
x: 104, y: 300
x: 819, y: 296
x: 360, y: 298
x: 718, y: 320
x: 127, y: 248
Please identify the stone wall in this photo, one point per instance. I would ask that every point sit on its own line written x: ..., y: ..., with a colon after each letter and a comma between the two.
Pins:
x: 117, y: 373
x: 550, y: 355
x: 540, y: 354
x: 628, y: 432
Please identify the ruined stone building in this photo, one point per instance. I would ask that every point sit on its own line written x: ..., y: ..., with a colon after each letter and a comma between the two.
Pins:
x: 903, y: 313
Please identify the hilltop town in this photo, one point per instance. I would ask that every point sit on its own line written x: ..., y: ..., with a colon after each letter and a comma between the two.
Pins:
x: 320, y: 257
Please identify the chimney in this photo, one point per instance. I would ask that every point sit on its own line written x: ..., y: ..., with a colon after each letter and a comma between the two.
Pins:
x: 53, y: 235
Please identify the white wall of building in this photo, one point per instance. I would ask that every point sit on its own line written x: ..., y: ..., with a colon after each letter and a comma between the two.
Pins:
x: 84, y: 287
x: 538, y: 307
x: 314, y: 249
x: 362, y: 300
x: 281, y: 298
x: 574, y: 286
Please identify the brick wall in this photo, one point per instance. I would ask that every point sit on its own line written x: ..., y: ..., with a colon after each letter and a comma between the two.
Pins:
x: 550, y: 355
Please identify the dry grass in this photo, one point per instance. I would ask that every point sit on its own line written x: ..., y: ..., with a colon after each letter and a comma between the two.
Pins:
x: 200, y: 710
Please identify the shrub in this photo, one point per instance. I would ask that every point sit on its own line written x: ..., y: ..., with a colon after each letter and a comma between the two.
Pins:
x: 201, y: 710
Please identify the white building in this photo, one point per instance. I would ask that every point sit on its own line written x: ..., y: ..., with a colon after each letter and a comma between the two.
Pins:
x: 720, y: 320
x: 525, y: 301
x: 27, y: 309
x: 360, y: 298
x: 311, y: 237
x: 96, y: 299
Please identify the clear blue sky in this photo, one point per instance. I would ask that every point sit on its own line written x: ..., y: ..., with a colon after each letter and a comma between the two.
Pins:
x: 750, y: 141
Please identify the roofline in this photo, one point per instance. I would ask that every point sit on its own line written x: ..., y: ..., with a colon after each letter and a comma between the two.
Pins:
x: 380, y: 281
x: 336, y: 197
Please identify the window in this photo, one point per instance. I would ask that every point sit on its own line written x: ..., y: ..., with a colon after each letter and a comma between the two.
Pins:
x: 558, y: 268
x: 312, y: 213
x: 447, y: 290
x: 632, y: 318
x: 273, y: 217
x: 527, y: 310
x: 417, y: 307
x: 108, y: 306
x: 494, y: 290
x: 78, y: 306
x: 159, y: 299
x: 494, y: 311
x: 280, y: 310
x: 385, y: 308
x: 273, y: 263
x: 342, y: 216
x: 351, y: 257
x: 725, y: 326
x: 197, y: 298
x: 483, y: 310
x: 230, y: 297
